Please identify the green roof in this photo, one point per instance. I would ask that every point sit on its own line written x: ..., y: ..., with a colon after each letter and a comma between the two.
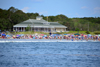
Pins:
x: 39, y: 23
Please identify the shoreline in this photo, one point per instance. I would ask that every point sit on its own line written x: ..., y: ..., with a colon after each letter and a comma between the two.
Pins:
x: 44, y: 40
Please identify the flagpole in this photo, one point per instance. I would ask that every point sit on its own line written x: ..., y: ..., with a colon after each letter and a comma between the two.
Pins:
x: 47, y: 18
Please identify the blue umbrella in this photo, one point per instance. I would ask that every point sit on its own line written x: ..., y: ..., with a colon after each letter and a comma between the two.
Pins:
x: 45, y: 35
x: 7, y: 35
x: 89, y: 35
x: 77, y: 34
x: 60, y: 35
x: 65, y: 34
x: 21, y: 34
x: 3, y: 34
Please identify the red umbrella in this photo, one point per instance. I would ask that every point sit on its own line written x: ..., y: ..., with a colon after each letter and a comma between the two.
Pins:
x: 42, y: 34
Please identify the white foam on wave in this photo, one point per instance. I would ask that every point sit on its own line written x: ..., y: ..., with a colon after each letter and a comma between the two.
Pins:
x: 43, y: 40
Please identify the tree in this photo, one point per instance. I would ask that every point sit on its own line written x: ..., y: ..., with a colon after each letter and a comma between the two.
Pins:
x: 3, y: 24
x: 77, y: 29
x: 28, y: 28
x: 13, y: 16
x: 12, y: 9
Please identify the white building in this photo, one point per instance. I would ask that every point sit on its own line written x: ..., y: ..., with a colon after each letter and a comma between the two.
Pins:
x: 39, y: 24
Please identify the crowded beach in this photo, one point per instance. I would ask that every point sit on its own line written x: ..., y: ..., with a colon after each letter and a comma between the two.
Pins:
x: 52, y: 36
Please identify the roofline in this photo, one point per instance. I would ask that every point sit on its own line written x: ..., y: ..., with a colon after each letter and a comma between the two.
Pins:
x: 43, y: 26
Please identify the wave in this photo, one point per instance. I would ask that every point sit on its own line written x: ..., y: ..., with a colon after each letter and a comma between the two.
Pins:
x: 44, y: 40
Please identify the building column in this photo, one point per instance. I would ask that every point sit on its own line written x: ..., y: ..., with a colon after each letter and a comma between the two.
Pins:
x: 38, y: 29
x: 65, y: 29
x: 13, y: 28
x: 54, y: 29
x: 44, y: 29
x: 35, y: 29
x: 16, y: 28
x: 21, y: 29
x: 25, y: 28
x: 31, y: 28
x: 51, y: 30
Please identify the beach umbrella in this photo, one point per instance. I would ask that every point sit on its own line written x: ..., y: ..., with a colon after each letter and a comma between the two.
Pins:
x: 60, y: 35
x: 45, y: 35
x: 96, y: 35
x: 17, y: 35
x: 11, y: 35
x: 77, y: 34
x: 65, y: 34
x: 68, y: 34
x: 21, y: 34
x: 53, y: 35
x: 84, y: 35
x: 72, y: 35
x: 14, y: 36
x: 99, y: 35
x: 36, y: 34
x: 89, y: 34
x: 7, y: 35
x: 3, y: 34
x: 33, y: 35
x: 56, y: 35
x: 42, y: 34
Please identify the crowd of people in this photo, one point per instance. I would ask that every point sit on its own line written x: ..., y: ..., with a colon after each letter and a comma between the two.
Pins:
x: 52, y: 36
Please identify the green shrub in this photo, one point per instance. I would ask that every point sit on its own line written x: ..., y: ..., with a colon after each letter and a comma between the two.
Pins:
x: 77, y: 29
x: 96, y: 32
x: 58, y: 33
x: 87, y: 32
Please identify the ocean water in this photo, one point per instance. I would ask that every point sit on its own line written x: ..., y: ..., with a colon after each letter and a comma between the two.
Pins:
x: 50, y: 54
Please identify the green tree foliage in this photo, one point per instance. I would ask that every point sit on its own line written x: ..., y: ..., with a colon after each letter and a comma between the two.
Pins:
x: 13, y: 16
x: 4, y: 24
x: 77, y: 29
x: 28, y: 28
x: 87, y: 32
x: 97, y: 32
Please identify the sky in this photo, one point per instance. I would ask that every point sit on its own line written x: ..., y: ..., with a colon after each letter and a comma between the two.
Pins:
x: 69, y: 8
